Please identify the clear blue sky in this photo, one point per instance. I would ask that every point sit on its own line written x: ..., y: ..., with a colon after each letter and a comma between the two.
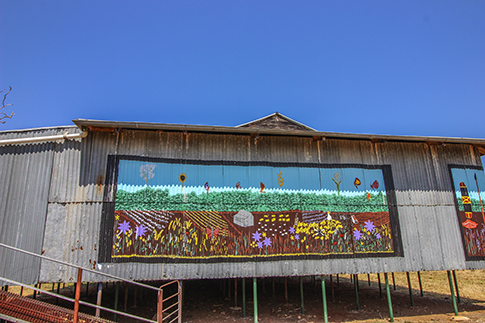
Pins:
x: 384, y: 67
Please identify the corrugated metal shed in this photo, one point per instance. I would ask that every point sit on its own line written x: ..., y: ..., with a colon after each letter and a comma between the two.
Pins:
x: 65, y: 185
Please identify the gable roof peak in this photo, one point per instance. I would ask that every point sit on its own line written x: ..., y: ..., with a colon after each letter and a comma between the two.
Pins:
x: 276, y: 121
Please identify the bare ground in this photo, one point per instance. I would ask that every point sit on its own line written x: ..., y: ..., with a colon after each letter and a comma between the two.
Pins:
x: 213, y: 300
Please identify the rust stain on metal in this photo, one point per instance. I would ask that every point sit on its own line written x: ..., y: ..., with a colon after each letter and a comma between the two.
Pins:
x: 99, y: 183
x: 35, y: 311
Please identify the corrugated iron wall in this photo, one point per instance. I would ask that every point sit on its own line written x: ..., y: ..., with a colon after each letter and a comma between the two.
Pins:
x: 77, y: 172
x: 25, y: 176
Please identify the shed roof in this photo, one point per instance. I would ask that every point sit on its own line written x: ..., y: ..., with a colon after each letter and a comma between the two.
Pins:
x: 275, y: 124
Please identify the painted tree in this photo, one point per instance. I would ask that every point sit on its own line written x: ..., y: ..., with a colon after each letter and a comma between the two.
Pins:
x: 336, y: 179
x: 146, y: 172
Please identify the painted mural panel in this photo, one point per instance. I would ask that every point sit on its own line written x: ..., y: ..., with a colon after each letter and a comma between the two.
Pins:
x: 187, y: 211
x: 469, y: 183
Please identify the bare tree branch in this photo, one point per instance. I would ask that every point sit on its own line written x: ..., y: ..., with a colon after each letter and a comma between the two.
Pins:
x: 3, y: 115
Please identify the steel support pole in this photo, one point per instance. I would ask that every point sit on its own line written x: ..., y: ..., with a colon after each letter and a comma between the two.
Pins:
x: 368, y: 279
x: 420, y: 284
x: 380, y: 285
x: 180, y: 300
x: 393, y: 281
x: 324, y: 300
x: 286, y: 290
x: 235, y: 292
x: 160, y: 306
x: 78, y: 295
x: 57, y: 299
x: 456, y: 286
x: 117, y: 292
x: 410, y: 289
x: 331, y: 287
x: 244, y: 297
x: 356, y: 287
x: 455, y: 308
x: 301, y: 297
x: 255, y: 299
x: 99, y: 295
x: 389, y: 302
x: 338, y: 282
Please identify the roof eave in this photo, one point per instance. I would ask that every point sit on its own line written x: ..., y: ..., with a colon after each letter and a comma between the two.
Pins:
x: 97, y: 125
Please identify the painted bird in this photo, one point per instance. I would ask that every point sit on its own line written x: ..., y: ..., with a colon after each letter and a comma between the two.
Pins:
x: 262, y: 188
x: 375, y: 185
x: 238, y: 185
x: 206, y: 186
x: 357, y: 182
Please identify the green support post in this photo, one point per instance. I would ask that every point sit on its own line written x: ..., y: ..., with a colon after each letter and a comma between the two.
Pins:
x: 410, y: 289
x: 356, y: 287
x: 244, y: 297
x: 420, y: 284
x: 389, y: 302
x: 456, y: 286
x: 324, y: 299
x: 455, y: 308
x: 117, y: 290
x: 301, y: 296
x: 255, y: 300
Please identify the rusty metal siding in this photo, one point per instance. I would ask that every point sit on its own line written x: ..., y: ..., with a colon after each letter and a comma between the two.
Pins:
x: 25, y: 174
x: 427, y: 215
x: 75, y: 173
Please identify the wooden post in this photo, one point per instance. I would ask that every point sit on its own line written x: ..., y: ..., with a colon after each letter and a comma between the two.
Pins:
x: 98, y: 298
x: 78, y: 295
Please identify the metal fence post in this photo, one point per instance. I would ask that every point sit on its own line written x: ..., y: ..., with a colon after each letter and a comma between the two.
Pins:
x: 78, y: 294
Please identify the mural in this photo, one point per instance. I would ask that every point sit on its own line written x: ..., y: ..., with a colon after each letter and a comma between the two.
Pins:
x: 469, y: 184
x: 185, y: 210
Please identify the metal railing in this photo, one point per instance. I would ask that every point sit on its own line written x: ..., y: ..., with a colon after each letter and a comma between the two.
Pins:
x: 78, y: 302
x: 177, y: 304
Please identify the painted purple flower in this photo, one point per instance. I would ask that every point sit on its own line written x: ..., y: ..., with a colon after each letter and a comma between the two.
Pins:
x: 378, y: 236
x: 369, y: 225
x: 357, y: 234
x: 292, y: 230
x: 260, y: 244
x: 256, y: 236
x: 124, y: 227
x: 267, y: 242
x: 297, y: 237
x: 140, y: 231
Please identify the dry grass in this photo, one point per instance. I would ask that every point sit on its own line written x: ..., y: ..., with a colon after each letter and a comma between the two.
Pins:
x: 471, y: 284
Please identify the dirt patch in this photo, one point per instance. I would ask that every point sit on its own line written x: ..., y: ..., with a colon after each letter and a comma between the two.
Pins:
x: 214, y: 300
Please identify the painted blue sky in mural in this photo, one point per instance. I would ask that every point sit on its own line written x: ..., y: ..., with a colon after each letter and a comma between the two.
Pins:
x: 467, y: 176
x: 223, y: 178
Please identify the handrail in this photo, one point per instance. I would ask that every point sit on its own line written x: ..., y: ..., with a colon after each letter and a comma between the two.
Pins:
x: 80, y: 269
x: 72, y: 300
x: 83, y: 268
